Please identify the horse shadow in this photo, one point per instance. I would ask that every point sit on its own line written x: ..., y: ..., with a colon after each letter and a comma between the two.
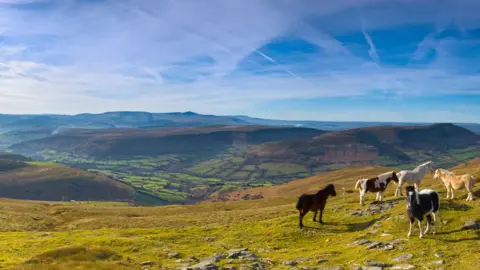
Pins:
x: 475, y: 238
x: 361, y: 226
x: 453, y: 205
x: 351, y: 227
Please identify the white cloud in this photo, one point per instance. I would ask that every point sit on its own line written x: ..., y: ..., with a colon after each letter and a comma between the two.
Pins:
x: 75, y: 56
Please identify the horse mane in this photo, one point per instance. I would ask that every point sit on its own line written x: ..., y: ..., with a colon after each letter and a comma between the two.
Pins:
x: 446, y: 171
x: 423, y: 164
x: 329, y: 186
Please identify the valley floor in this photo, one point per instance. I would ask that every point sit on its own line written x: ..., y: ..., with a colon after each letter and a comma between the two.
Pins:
x: 41, y: 235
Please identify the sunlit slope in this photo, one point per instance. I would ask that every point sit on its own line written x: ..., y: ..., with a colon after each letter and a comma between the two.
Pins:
x: 54, y: 182
x: 42, y: 235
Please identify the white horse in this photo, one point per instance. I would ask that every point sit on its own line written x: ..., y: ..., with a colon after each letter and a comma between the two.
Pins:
x: 414, y: 176
x: 456, y: 182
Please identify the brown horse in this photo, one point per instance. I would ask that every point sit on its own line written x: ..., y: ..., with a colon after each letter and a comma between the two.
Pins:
x: 314, y: 202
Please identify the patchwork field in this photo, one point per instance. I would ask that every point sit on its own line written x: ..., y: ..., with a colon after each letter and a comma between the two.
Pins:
x: 91, y: 235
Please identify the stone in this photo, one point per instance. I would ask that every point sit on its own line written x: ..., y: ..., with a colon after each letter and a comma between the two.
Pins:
x: 290, y: 263
x: 471, y: 225
x: 439, y: 254
x: 403, y: 267
x: 257, y: 266
x: 147, y: 263
x: 373, y: 245
x: 236, y: 253
x: 300, y: 260
x: 331, y: 268
x: 209, y: 239
x: 403, y: 258
x: 216, y: 257
x: 389, y: 247
x: 173, y: 255
x: 359, y: 242
x: 398, y: 241
x: 385, y: 234
x: 202, y: 266
x: 440, y: 262
x: 267, y: 261
x: 376, y: 263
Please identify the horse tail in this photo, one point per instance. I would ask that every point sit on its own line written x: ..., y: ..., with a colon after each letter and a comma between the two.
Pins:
x: 299, y: 203
x: 357, y: 185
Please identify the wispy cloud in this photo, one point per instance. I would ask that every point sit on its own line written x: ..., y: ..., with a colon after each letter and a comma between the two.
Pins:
x: 225, y: 57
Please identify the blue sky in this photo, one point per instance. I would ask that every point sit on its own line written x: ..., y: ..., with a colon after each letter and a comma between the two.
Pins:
x: 366, y: 60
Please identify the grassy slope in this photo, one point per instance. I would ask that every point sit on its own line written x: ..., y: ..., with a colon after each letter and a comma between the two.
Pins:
x: 105, y: 236
x: 50, y: 181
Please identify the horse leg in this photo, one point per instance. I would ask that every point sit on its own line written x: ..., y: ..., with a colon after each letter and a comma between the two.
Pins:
x: 362, y: 196
x: 469, y: 197
x: 429, y: 220
x: 448, y: 192
x: 421, y: 228
x: 315, y: 216
x: 321, y: 216
x: 435, y: 219
x: 411, y: 227
x: 452, y: 193
x: 300, y: 220
x: 398, y: 190
x: 381, y: 195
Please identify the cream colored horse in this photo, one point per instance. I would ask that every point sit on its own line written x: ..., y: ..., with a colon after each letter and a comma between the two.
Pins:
x: 456, y: 182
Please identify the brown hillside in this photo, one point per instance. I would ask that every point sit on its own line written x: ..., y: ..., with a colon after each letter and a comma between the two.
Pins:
x: 158, y: 141
x: 368, y: 144
x: 345, y: 178
x: 51, y: 182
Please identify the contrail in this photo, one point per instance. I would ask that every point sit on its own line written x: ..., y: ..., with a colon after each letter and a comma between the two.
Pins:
x: 276, y: 63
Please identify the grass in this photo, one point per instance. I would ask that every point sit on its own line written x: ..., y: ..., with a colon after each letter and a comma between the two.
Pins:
x: 95, y: 235
x: 177, y: 178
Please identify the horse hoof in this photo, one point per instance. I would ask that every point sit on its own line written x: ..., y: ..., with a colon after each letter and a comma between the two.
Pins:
x: 421, y: 235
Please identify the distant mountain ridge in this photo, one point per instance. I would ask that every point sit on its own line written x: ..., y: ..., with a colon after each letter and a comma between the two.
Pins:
x: 160, y: 141
x: 174, y: 119
x: 372, y: 144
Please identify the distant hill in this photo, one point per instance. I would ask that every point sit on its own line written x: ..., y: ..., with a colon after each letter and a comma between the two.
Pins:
x: 381, y: 145
x: 177, y: 119
x: 20, y: 179
x: 24, y: 134
x: 189, y: 164
x: 127, y: 142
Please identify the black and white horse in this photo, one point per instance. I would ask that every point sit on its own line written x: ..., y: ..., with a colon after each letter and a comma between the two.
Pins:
x: 420, y: 204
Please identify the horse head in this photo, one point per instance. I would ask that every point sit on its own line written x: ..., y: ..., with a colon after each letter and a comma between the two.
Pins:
x: 395, y: 177
x: 438, y: 174
x: 331, y: 190
x: 410, y: 192
x: 429, y: 166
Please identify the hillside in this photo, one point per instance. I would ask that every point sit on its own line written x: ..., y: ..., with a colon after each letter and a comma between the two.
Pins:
x: 341, y: 178
x: 189, y: 164
x: 114, y: 236
x: 176, y: 119
x: 391, y: 146
x: 54, y: 182
x: 159, y: 141
x: 24, y: 134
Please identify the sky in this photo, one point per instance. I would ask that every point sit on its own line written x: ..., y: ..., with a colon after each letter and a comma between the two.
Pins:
x: 342, y: 60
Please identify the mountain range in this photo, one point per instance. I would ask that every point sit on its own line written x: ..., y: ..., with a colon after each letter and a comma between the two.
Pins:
x: 175, y: 119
